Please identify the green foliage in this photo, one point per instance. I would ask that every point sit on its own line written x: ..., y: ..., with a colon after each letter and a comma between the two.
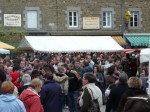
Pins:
x: 11, y: 35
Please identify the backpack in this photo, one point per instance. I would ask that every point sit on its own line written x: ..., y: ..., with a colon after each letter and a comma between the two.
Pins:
x: 94, y: 105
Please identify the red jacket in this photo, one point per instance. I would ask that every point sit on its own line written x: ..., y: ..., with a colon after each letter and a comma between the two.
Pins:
x: 31, y: 101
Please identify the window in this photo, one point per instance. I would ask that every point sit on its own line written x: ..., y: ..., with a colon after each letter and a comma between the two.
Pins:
x: 73, y: 18
x: 134, y: 20
x: 32, y: 19
x: 107, y: 19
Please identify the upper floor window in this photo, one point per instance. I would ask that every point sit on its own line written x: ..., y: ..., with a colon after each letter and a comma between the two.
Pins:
x: 32, y: 19
x: 134, y: 20
x: 73, y: 18
x: 107, y: 19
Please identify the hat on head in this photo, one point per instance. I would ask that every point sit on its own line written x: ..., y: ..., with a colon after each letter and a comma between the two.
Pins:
x: 27, y: 69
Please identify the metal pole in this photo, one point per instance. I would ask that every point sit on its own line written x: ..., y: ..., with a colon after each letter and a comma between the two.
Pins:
x: 149, y: 73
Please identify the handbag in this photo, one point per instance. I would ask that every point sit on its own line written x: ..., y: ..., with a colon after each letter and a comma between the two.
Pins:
x: 94, y: 105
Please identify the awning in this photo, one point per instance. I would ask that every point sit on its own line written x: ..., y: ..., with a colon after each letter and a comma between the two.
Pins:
x: 4, y: 51
x: 138, y: 40
x: 119, y: 40
x: 132, y: 50
x: 6, y: 46
x: 55, y: 44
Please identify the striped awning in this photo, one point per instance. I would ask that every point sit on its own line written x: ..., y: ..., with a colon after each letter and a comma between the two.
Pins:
x: 119, y: 39
x: 138, y: 40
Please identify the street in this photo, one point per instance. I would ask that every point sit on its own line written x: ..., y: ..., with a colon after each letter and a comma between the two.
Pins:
x: 102, y: 109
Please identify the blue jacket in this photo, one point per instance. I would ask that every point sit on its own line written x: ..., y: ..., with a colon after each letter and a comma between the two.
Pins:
x: 10, y: 103
x: 51, y: 96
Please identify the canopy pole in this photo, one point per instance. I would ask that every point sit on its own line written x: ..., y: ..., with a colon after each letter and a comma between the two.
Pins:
x: 149, y: 73
x: 149, y: 79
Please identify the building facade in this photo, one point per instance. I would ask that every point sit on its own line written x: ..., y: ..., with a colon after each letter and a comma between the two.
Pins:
x: 75, y: 17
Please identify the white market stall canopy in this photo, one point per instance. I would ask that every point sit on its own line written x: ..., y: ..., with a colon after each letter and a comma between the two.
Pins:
x: 55, y: 44
x: 4, y: 51
x: 145, y: 55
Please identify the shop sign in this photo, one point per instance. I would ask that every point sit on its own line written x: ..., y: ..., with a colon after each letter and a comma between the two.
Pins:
x: 91, y: 23
x: 13, y: 20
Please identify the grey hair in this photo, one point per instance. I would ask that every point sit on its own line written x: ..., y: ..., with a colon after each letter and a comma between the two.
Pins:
x: 26, y: 78
x: 123, y: 77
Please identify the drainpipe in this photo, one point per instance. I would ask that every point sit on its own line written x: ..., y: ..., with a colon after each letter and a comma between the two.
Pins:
x: 57, y: 15
x: 122, y: 16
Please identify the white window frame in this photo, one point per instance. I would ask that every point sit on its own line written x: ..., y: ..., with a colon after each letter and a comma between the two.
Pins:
x: 132, y: 19
x: 33, y: 24
x: 108, y: 19
x: 72, y: 25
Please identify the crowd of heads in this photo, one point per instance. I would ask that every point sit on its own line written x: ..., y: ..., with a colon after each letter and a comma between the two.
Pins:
x: 36, y: 68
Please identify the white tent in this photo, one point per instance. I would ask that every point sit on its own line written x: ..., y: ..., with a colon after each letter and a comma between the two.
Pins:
x: 144, y: 55
x: 4, y: 51
x: 54, y: 44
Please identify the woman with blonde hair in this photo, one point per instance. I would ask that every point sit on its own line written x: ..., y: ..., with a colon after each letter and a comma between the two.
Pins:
x: 134, y: 89
x: 30, y: 96
x: 8, y: 101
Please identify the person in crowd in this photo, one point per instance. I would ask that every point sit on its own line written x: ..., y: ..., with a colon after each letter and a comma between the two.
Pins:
x: 50, y: 68
x: 2, y: 78
x: 64, y: 85
x: 30, y: 96
x: 116, y: 93
x: 75, y: 84
x: 22, y: 64
x: 8, y: 101
x: 134, y: 66
x: 7, y: 63
x: 27, y: 70
x: 126, y: 64
x: 137, y: 104
x: 90, y: 94
x: 90, y: 61
x: 134, y: 89
x: 78, y: 68
x: 26, y: 79
x: 55, y: 62
x: 100, y: 80
x: 51, y: 94
x: 112, y: 76
x: 86, y: 66
x: 15, y: 76
x: 35, y: 74
x: 36, y: 66
x: 9, y: 71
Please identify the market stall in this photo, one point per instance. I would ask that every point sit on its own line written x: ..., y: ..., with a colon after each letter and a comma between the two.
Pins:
x: 55, y: 44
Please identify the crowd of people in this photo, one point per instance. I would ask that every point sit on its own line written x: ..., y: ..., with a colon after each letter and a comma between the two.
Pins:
x: 81, y: 82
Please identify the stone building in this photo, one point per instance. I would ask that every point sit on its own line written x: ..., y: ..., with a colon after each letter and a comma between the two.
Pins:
x: 76, y: 17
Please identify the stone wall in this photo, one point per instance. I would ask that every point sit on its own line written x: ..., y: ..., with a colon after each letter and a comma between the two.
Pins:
x: 53, y: 15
